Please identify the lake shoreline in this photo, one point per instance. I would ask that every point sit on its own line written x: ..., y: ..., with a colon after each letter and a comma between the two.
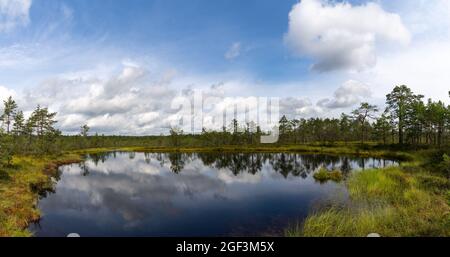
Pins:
x: 31, y: 175
x: 21, y: 187
x: 352, y: 150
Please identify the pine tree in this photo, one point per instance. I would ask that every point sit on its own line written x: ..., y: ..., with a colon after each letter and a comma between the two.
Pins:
x: 382, y: 128
x: 365, y: 112
x: 19, y: 124
x: 10, y: 108
x: 84, y: 130
x: 398, y: 102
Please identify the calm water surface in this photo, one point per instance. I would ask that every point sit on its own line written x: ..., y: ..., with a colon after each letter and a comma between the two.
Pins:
x: 173, y: 194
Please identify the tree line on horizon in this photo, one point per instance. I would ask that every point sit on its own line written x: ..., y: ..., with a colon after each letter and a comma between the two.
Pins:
x: 407, y: 119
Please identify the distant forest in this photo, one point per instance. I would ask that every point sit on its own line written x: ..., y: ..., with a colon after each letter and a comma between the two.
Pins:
x: 406, y: 120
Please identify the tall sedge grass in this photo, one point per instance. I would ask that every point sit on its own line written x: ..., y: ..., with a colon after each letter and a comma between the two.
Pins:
x: 323, y: 175
x: 390, y: 202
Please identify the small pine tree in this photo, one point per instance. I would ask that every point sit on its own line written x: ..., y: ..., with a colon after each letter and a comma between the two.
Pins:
x: 10, y: 108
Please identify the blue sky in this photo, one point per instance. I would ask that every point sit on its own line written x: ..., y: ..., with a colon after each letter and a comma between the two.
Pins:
x: 193, y: 34
x: 51, y: 52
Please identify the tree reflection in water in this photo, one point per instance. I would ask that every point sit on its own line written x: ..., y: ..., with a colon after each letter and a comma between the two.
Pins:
x: 286, y: 164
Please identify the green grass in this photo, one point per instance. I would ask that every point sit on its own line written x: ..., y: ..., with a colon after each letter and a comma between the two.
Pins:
x: 396, y: 201
x: 19, y: 190
x: 323, y: 175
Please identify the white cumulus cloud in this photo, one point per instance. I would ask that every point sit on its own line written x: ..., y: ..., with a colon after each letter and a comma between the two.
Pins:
x: 14, y: 13
x: 342, y: 36
x: 5, y: 93
x: 350, y: 93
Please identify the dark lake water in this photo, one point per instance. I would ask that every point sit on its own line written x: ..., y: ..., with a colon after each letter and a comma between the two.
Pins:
x: 204, y: 194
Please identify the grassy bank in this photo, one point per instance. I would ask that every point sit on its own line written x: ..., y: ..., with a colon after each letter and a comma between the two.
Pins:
x: 410, y: 200
x: 20, y: 186
x: 335, y: 149
x: 323, y: 175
